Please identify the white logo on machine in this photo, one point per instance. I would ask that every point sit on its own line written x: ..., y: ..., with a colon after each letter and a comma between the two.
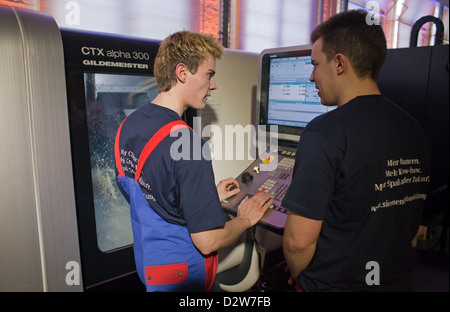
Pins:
x: 114, y: 55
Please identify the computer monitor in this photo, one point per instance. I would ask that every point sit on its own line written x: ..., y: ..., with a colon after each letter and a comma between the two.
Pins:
x: 287, y: 98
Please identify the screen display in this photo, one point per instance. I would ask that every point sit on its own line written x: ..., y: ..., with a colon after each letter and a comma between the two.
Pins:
x: 293, y: 99
x: 109, y: 99
x: 288, y: 99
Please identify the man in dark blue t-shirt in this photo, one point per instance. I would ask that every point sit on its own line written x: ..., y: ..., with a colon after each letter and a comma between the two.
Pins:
x: 177, y: 218
x: 361, y: 173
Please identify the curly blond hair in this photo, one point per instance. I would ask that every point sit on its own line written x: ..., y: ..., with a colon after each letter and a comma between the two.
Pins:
x: 184, y: 47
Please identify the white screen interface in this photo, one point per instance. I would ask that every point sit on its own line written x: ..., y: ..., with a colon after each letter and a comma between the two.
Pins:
x: 293, y: 99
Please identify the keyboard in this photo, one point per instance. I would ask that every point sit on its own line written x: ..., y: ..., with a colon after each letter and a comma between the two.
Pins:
x: 275, y: 182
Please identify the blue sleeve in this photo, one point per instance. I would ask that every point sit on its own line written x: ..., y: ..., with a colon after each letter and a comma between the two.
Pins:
x: 314, y: 175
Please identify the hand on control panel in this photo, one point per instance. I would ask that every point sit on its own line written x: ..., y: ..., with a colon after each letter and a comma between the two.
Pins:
x: 254, y: 208
x: 227, y: 188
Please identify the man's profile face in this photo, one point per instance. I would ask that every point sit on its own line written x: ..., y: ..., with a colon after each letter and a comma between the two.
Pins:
x: 323, y: 75
x: 201, y: 83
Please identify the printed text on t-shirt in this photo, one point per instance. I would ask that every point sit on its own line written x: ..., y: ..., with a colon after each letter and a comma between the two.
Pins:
x: 400, y: 172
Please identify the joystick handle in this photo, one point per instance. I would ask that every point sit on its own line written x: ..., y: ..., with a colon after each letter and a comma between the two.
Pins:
x: 246, y: 177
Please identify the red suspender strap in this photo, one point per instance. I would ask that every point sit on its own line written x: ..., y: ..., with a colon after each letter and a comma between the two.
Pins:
x: 154, y: 141
x: 117, y: 151
x: 149, y: 147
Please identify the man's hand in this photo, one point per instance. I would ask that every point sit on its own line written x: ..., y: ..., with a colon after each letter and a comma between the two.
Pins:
x: 227, y: 188
x: 254, y: 208
x: 250, y: 211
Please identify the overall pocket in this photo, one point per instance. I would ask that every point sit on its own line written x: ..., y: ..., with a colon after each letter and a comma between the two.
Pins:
x: 166, y: 274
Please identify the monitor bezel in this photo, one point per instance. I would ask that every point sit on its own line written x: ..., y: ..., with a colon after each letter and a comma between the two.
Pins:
x: 290, y: 132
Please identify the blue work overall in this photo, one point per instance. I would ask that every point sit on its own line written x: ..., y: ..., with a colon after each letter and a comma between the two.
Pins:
x: 166, y: 258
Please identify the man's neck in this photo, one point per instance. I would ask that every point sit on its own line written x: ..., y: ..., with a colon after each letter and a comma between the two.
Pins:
x: 360, y: 87
x: 171, y: 101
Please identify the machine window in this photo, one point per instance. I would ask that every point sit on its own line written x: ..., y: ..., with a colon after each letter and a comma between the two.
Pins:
x: 109, y: 99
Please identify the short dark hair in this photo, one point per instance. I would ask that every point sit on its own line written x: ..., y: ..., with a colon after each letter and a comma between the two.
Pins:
x: 354, y: 35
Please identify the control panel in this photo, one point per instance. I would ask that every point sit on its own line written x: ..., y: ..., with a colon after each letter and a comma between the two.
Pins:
x: 271, y: 173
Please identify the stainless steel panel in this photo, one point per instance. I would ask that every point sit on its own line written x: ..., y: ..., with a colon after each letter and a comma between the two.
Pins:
x: 20, y: 266
x: 37, y: 195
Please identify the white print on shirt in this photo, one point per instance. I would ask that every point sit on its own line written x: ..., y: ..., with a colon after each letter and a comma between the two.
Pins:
x: 129, y: 164
x: 401, y: 172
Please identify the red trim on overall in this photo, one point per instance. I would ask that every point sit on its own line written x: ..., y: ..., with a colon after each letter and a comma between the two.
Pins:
x: 211, y: 264
x: 117, y: 151
x: 154, y: 141
x: 166, y: 274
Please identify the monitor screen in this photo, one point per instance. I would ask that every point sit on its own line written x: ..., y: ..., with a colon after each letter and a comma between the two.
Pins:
x: 288, y: 99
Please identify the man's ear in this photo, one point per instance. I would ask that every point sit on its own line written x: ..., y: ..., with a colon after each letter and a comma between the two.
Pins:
x: 181, y: 71
x: 341, y: 63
